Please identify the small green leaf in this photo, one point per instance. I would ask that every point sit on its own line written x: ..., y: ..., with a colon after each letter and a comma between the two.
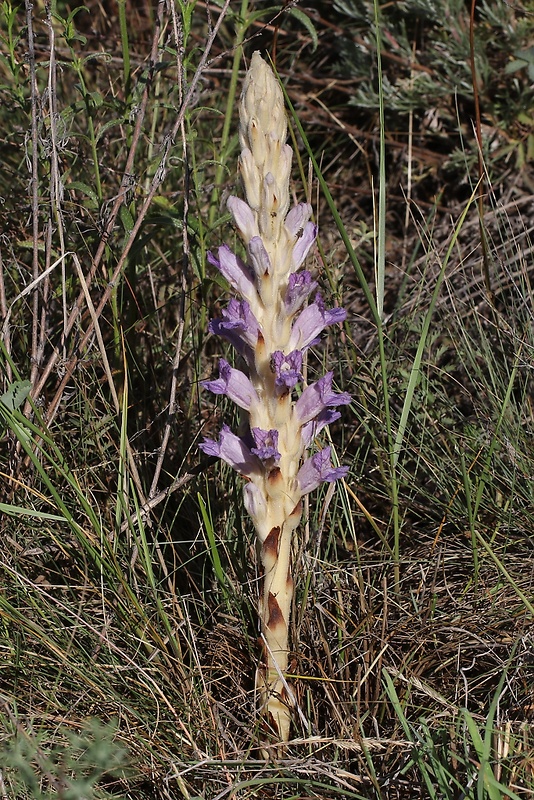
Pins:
x: 16, y: 394
x: 307, y: 23
x: 28, y: 244
x: 92, y: 57
x: 96, y: 99
x: 126, y: 219
x: 73, y: 14
x: 85, y: 189
x: 515, y: 66
x: 257, y: 15
x: 217, y: 280
x: 112, y: 123
x: 526, y: 55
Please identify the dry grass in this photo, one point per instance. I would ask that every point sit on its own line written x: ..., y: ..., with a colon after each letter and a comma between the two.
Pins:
x: 120, y: 600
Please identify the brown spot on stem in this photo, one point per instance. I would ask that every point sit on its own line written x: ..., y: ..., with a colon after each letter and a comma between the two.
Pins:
x: 270, y: 725
x: 275, y: 614
x: 297, y: 510
x: 270, y: 545
x: 285, y: 697
x: 274, y: 475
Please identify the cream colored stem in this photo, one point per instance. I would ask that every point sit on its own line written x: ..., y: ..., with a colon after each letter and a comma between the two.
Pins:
x: 275, y: 609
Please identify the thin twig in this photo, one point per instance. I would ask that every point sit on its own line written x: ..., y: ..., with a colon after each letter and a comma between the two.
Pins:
x: 34, y: 183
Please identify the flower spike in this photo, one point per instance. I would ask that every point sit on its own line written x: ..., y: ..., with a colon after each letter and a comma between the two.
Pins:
x: 271, y: 327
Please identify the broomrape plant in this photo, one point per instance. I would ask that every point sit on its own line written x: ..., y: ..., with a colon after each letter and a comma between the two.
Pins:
x: 271, y: 328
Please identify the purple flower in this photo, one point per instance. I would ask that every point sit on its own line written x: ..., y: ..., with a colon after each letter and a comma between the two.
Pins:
x: 302, y: 247
x: 259, y: 257
x: 317, y: 397
x: 244, y: 218
x: 266, y: 445
x: 234, y: 384
x: 287, y: 369
x: 299, y: 228
x: 312, y: 321
x: 309, y: 430
x: 235, y: 271
x: 297, y: 218
x: 317, y: 469
x: 299, y: 287
x: 239, y: 326
x: 254, y: 501
x: 234, y: 451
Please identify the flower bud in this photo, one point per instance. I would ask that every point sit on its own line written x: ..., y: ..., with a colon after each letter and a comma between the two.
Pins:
x: 261, y: 109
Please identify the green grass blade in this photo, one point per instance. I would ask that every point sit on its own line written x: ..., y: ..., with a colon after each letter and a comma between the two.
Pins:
x: 417, y: 757
x: 220, y: 573
x: 20, y: 511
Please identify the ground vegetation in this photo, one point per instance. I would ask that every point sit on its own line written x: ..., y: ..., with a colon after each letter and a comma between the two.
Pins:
x: 129, y: 582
